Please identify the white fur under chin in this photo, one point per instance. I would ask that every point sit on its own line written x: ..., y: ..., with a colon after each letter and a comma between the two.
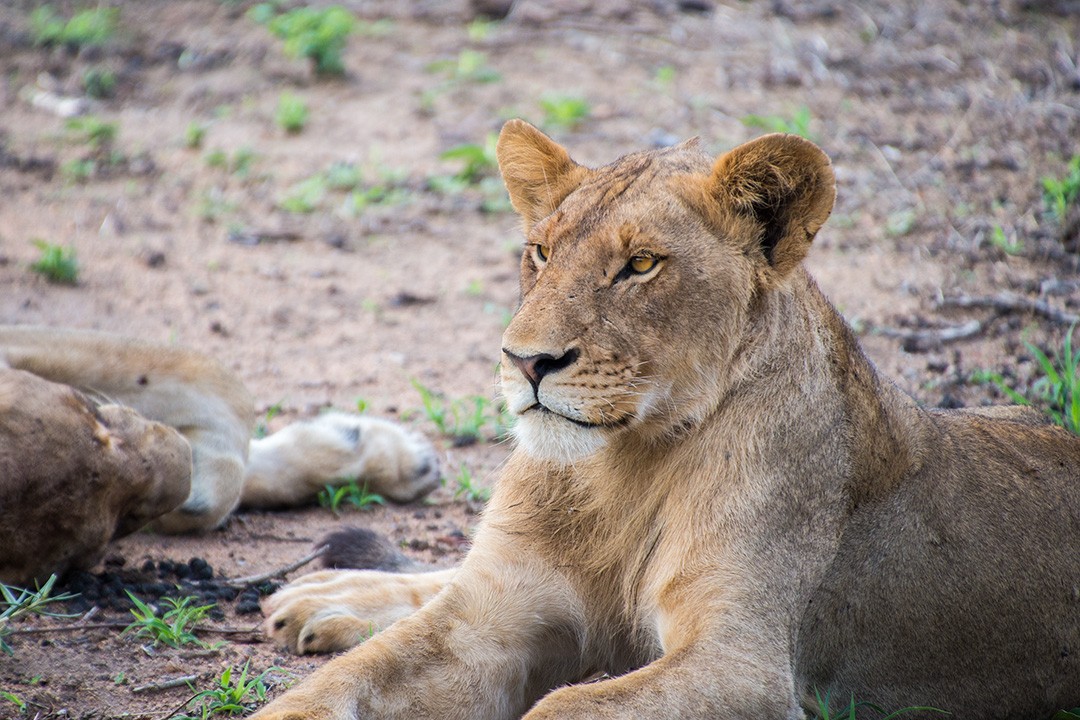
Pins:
x: 548, y: 437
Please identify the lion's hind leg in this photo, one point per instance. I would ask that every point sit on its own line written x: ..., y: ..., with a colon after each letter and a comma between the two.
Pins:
x: 204, y: 401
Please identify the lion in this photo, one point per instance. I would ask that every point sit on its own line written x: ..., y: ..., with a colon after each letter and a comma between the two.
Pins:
x: 101, y: 435
x: 716, y: 507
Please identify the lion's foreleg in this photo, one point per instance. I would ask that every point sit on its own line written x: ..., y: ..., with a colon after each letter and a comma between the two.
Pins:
x: 504, y: 632
x: 698, y: 682
x: 338, y: 609
x: 725, y: 654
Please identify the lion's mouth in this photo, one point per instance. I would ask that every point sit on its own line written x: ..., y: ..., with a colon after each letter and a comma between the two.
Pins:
x: 541, y: 408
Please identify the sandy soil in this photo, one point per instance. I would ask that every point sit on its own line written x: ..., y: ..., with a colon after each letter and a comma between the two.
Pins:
x: 941, y: 119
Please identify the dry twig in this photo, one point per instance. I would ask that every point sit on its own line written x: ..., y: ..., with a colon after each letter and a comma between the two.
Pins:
x: 922, y: 340
x: 1007, y: 303
x: 278, y: 572
x: 166, y: 684
x: 123, y: 626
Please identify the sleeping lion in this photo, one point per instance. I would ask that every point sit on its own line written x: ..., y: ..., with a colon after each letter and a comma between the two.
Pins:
x: 100, y: 435
x: 716, y: 504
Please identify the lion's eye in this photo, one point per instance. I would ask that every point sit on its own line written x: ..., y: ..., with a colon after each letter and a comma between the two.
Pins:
x: 642, y: 264
x: 542, y: 252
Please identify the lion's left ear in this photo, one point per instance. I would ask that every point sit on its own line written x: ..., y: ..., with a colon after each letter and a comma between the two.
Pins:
x: 785, y: 185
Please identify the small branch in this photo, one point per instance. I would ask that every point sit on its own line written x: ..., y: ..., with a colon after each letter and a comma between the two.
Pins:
x: 1008, y: 303
x: 922, y: 340
x: 279, y: 572
x: 124, y: 626
x: 70, y: 628
x: 166, y: 684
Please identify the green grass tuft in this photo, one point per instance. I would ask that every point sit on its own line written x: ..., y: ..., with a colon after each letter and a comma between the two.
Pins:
x: 234, y: 694
x: 824, y: 710
x: 15, y: 700
x: 175, y: 627
x: 468, y: 489
x: 194, y: 135
x: 16, y: 602
x: 350, y: 493
x: 797, y: 124
x: 465, y: 419
x: 1007, y: 245
x: 564, y: 112
x: 1056, y: 391
x: 1060, y: 193
x: 470, y: 66
x: 96, y: 133
x: 292, y: 113
x: 99, y: 83
x: 57, y: 264
x: 87, y: 28
x: 319, y: 34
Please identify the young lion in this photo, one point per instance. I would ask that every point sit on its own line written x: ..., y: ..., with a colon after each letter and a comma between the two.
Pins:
x: 715, y: 499
x: 164, y: 436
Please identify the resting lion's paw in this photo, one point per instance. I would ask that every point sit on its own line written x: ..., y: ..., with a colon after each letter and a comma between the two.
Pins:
x: 394, y: 461
x: 337, y: 609
x: 291, y: 466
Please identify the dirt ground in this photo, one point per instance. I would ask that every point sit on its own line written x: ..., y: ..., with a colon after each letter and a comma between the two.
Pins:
x: 941, y: 118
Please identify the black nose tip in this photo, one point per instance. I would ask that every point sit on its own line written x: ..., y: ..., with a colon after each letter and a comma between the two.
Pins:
x: 535, y: 367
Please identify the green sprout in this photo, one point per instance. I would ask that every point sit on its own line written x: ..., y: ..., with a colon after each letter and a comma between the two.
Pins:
x: 848, y: 711
x: 1059, y: 193
x: 1056, y: 392
x: 564, y: 112
x: 175, y: 627
x: 16, y: 602
x: 292, y: 113
x: 467, y: 487
x: 235, y: 694
x: 319, y: 34
x: 99, y: 83
x: 98, y: 134
x: 57, y: 264
x: 194, y: 136
x: 87, y: 28
x: 797, y: 124
x: 351, y: 493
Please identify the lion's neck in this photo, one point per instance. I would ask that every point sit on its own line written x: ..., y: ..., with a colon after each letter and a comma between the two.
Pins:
x: 804, y: 365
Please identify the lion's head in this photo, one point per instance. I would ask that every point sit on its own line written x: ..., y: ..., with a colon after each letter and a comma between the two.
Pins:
x: 639, y: 280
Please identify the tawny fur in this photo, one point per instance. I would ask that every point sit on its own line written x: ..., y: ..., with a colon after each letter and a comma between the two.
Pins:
x: 75, y: 474
x: 205, y: 469
x: 715, y: 498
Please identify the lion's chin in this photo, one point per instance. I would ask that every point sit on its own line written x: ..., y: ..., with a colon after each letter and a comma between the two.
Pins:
x: 550, y: 437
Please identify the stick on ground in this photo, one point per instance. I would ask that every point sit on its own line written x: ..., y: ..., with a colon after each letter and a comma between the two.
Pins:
x: 279, y: 572
x: 1008, y: 303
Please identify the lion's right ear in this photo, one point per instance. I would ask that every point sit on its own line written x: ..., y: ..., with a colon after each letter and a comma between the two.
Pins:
x: 774, y: 193
x: 538, y: 172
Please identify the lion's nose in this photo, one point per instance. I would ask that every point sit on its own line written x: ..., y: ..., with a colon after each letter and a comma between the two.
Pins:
x: 535, y: 367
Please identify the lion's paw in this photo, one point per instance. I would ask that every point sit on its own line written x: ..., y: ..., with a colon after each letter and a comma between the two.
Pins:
x: 292, y: 465
x: 391, y: 459
x: 337, y: 609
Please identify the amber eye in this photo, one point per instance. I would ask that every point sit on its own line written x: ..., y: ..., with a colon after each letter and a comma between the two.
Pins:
x: 542, y: 252
x: 642, y: 264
